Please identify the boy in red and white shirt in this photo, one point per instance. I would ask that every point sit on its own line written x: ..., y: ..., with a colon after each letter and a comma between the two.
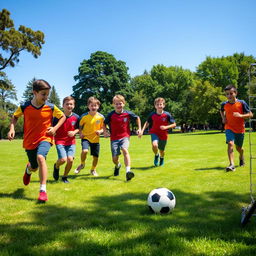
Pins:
x: 118, y: 122
x: 159, y: 122
x: 65, y: 139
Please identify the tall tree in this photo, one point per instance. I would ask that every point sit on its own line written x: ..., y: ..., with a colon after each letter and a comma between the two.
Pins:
x: 54, y: 97
x: 101, y: 76
x: 28, y: 93
x: 13, y: 41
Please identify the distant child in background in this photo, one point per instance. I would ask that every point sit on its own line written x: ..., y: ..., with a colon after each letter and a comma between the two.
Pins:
x: 90, y: 126
x: 233, y: 112
x: 38, y: 132
x: 118, y: 122
x: 65, y: 139
x: 159, y: 122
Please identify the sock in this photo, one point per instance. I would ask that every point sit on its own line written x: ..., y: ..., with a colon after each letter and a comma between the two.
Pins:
x: 117, y: 165
x: 43, y: 187
x: 27, y: 170
x: 128, y: 168
x: 157, y: 154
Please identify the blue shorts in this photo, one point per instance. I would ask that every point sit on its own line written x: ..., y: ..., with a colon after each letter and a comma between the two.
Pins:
x: 161, y: 143
x: 116, y: 145
x: 65, y: 151
x: 95, y: 147
x: 42, y: 149
x: 238, y: 138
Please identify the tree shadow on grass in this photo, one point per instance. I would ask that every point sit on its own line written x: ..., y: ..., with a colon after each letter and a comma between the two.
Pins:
x: 17, y: 194
x: 219, y: 168
x: 122, y: 225
x: 144, y: 168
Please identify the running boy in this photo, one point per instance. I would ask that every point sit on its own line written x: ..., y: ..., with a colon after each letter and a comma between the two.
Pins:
x: 38, y: 132
x: 159, y: 122
x: 233, y: 112
x: 65, y: 139
x: 119, y: 124
x: 90, y: 126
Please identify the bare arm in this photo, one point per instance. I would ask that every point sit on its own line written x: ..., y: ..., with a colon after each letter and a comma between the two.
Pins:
x: 52, y: 130
x: 139, y: 126
x: 144, y: 127
x: 166, y: 127
x: 11, y: 133
x: 223, y: 116
x: 244, y: 116
x: 105, y: 131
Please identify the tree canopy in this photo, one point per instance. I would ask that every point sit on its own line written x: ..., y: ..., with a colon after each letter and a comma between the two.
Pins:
x: 13, y: 41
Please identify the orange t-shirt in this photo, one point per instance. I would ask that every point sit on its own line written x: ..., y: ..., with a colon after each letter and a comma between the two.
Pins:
x: 36, y: 122
x: 235, y: 124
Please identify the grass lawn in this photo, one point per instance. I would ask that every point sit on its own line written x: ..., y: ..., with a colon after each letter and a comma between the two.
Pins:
x: 106, y: 215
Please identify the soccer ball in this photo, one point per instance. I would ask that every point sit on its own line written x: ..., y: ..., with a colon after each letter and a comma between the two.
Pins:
x: 161, y: 200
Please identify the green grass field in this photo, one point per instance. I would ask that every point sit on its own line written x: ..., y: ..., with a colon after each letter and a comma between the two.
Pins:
x: 106, y: 215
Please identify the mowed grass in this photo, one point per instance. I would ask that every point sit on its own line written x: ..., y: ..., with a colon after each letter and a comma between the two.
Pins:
x: 106, y: 215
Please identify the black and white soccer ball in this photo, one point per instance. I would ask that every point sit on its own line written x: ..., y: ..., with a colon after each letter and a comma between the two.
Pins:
x: 161, y: 200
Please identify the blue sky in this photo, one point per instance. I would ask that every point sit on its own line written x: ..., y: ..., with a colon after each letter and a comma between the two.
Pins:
x: 142, y: 33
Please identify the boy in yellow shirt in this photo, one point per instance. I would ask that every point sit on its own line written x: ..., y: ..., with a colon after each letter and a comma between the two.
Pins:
x: 90, y: 128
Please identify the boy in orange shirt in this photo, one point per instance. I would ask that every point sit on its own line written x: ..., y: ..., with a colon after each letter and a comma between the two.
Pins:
x: 38, y: 132
x: 233, y: 112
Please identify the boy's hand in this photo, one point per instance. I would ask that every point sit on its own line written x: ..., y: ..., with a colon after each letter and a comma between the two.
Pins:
x: 50, y: 131
x: 224, y: 120
x: 11, y: 135
x: 237, y: 114
x: 106, y: 134
x: 139, y: 133
x: 71, y: 134
x: 98, y: 132
x: 163, y: 127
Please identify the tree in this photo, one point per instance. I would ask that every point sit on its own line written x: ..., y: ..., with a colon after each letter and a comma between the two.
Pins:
x: 101, y: 76
x: 28, y: 93
x: 54, y: 97
x: 13, y: 41
x: 7, y: 94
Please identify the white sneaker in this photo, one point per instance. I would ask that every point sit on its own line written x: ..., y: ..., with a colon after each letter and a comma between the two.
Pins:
x: 94, y: 173
x: 79, y: 168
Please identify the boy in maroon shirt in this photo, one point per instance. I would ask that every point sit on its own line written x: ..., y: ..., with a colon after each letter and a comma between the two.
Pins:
x: 159, y: 122
x: 118, y: 122
x: 65, y: 139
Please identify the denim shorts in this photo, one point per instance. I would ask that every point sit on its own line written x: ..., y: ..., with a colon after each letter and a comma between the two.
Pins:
x: 161, y: 143
x: 42, y: 149
x: 65, y: 151
x: 95, y: 147
x: 116, y: 145
x: 238, y: 138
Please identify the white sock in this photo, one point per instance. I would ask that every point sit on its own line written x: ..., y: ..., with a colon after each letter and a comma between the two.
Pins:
x: 28, y: 171
x: 128, y: 168
x: 43, y: 187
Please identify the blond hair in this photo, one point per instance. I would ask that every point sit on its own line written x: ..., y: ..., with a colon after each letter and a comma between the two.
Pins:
x: 93, y: 100
x: 119, y: 97
x: 159, y: 99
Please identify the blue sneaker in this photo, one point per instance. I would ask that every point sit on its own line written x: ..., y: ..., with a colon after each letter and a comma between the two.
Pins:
x: 161, y: 161
x: 156, y: 159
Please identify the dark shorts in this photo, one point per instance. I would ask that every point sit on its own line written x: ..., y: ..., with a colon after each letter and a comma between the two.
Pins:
x: 161, y: 143
x: 95, y: 147
x: 42, y: 149
x: 238, y: 138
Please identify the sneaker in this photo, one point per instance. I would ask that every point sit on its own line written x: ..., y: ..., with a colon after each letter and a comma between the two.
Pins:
x: 241, y: 162
x: 65, y: 179
x: 156, y: 159
x: 94, y: 173
x: 129, y: 175
x: 42, y: 196
x: 230, y: 168
x: 56, y: 172
x: 26, y: 177
x: 117, y: 169
x: 79, y: 168
x: 161, y: 161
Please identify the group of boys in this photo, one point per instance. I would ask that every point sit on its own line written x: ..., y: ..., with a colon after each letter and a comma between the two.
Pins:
x: 44, y: 122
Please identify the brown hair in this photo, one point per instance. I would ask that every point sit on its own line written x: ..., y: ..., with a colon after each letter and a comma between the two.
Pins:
x: 159, y: 99
x: 40, y: 85
x: 93, y: 100
x: 119, y: 97
x: 68, y: 98
x: 229, y: 87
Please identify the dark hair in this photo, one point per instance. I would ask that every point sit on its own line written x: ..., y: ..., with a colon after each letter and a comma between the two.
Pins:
x: 229, y: 87
x: 40, y: 85
x: 68, y: 98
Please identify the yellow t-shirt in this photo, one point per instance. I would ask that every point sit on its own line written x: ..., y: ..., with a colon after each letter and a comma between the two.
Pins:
x: 89, y: 125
